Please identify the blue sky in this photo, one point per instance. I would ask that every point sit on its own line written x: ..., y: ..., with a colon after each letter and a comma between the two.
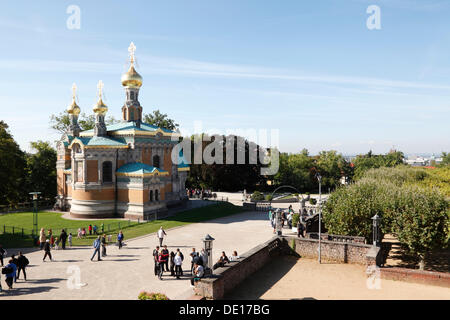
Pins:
x: 310, y: 69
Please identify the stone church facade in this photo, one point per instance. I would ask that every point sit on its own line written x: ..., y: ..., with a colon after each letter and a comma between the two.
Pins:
x: 119, y: 170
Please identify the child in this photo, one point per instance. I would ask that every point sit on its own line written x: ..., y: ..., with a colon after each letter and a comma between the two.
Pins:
x: 70, y: 240
x: 56, y: 243
x: 52, y: 240
x: 109, y: 238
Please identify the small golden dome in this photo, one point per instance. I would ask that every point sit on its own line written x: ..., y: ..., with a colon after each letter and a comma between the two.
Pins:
x: 131, y: 78
x: 100, y: 107
x: 73, y: 108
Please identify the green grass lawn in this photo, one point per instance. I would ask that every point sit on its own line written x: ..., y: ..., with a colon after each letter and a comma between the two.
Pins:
x: 52, y: 220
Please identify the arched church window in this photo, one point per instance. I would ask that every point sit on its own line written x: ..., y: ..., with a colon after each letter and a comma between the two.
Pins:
x: 131, y: 114
x: 107, y: 171
x: 156, y: 161
x: 156, y: 195
x: 151, y: 195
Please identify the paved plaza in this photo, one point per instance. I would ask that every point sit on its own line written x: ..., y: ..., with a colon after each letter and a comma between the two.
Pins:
x: 125, y: 272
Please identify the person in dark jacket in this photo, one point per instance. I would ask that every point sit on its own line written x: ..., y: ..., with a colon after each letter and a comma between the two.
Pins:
x: 47, y: 249
x: 222, y: 261
x: 120, y: 238
x: 155, y: 259
x: 172, y: 263
x: 104, y: 245
x: 165, y: 258
x: 2, y: 254
x: 10, y: 276
x: 63, y: 238
x: 22, y: 264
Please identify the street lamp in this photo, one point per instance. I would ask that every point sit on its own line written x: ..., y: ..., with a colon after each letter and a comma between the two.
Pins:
x: 319, y: 178
x: 207, y: 245
x: 376, y: 225
x: 35, y: 211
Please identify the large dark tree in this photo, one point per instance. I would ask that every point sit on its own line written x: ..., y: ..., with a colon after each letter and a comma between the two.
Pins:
x: 227, y: 177
x: 12, y: 168
x: 41, y: 167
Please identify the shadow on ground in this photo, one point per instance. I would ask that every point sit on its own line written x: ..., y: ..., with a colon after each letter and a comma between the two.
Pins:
x: 261, y: 281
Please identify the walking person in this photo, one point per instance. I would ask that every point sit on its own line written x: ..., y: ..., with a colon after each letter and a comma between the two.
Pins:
x: 161, y: 234
x: 95, y: 229
x: 160, y: 266
x: 90, y: 229
x: 12, y: 268
x: 96, y: 246
x: 16, y: 263
x: 42, y: 238
x: 63, y: 237
x: 47, y: 249
x: 3, y: 253
x: 120, y: 238
x: 56, y: 243
x: 178, y: 260
x: 22, y: 263
x: 79, y: 233
x: 104, y: 245
x: 69, y: 238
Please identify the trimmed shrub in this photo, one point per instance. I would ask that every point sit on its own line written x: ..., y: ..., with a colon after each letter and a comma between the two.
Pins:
x: 257, y: 196
x: 152, y: 296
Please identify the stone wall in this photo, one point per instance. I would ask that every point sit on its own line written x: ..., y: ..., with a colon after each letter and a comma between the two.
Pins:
x: 227, y: 278
x: 416, y: 276
x: 336, y: 251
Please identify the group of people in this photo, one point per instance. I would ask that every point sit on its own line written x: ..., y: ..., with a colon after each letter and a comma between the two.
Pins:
x: 200, y: 193
x: 13, y: 268
x: 92, y: 229
x: 286, y: 218
x: 54, y: 242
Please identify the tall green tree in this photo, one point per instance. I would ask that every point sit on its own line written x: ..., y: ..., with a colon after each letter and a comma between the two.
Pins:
x: 12, y: 168
x: 161, y: 120
x: 60, y: 122
x: 41, y: 169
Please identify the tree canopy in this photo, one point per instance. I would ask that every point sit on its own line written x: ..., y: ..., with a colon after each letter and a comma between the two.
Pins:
x: 161, y: 120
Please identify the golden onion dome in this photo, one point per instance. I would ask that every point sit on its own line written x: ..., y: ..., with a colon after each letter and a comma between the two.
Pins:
x: 100, y: 107
x: 73, y: 108
x: 131, y: 78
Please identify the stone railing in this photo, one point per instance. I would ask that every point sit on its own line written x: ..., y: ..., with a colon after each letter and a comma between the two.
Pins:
x: 333, y: 237
x: 227, y: 278
x: 337, y: 251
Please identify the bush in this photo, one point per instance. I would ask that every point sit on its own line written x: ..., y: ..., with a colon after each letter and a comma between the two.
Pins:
x: 257, y: 196
x: 269, y: 197
x: 418, y: 217
x: 313, y: 201
x: 152, y: 296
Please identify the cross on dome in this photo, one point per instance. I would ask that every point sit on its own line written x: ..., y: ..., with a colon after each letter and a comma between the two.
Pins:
x: 132, y: 50
x: 100, y: 86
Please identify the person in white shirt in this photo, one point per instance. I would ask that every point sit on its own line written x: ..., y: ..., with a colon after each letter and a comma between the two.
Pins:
x: 234, y: 256
x: 161, y: 234
x: 204, y: 257
x: 178, y: 262
x: 199, y: 272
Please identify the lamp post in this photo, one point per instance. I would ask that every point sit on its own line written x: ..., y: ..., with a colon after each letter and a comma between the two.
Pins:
x: 319, y: 178
x: 207, y: 245
x: 35, y: 212
x: 376, y: 225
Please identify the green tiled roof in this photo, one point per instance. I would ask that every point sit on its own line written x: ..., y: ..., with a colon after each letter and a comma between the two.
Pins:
x: 139, y: 168
x: 125, y: 125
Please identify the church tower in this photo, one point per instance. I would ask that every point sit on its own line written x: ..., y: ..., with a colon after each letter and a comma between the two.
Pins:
x: 73, y: 110
x: 132, y: 82
x: 100, y: 110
